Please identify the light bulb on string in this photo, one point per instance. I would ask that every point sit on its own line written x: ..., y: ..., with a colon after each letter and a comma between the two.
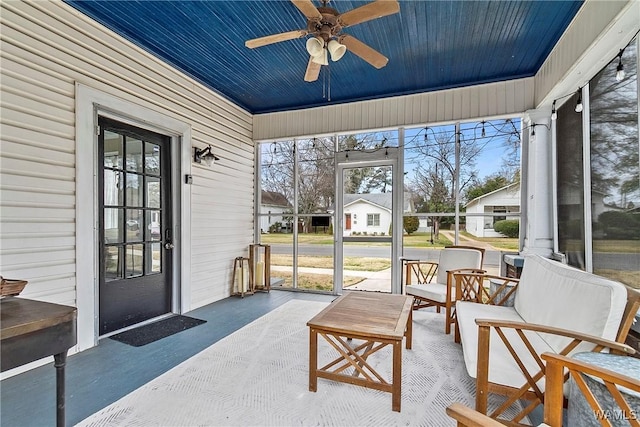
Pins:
x: 579, y: 106
x: 620, y: 74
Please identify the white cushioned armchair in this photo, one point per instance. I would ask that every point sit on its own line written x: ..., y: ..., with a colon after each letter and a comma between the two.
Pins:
x: 435, y: 283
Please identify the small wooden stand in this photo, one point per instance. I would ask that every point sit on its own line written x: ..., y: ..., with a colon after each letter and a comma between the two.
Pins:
x: 241, y: 280
x: 260, y: 264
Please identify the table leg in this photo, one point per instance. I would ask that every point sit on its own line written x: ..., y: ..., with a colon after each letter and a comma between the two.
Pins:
x: 396, y: 382
x: 60, y: 360
x: 409, y: 331
x: 313, y: 359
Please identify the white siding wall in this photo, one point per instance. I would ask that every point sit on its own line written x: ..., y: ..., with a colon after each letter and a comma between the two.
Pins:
x: 488, y: 100
x: 48, y: 47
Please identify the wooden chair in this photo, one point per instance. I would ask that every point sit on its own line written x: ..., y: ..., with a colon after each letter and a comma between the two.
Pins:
x: 610, y: 402
x: 559, y: 368
x: 440, y: 293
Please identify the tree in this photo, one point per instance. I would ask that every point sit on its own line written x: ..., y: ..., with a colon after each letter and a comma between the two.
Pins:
x: 410, y: 224
x: 489, y: 184
x: 316, y: 177
x: 434, y: 179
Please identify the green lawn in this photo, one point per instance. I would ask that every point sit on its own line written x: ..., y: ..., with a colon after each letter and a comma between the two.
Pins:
x: 624, y: 246
x: 350, y: 263
x: 415, y: 240
x: 504, y: 243
x: 314, y: 282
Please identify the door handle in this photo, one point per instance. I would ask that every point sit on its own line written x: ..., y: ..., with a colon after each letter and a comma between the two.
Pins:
x: 167, y: 238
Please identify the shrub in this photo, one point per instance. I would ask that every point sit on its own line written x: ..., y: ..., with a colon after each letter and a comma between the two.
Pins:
x: 508, y: 227
x: 275, y: 227
x: 410, y: 224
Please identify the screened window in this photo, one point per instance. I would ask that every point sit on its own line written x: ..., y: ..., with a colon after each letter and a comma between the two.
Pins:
x: 615, y: 171
x: 570, y: 184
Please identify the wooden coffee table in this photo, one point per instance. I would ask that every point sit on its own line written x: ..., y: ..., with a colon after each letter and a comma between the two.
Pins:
x: 378, y: 319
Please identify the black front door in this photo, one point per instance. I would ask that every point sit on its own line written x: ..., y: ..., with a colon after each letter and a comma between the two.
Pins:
x: 135, y: 225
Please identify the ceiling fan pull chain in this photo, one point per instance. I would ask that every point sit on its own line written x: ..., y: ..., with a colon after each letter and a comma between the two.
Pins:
x: 324, y: 85
x: 329, y: 85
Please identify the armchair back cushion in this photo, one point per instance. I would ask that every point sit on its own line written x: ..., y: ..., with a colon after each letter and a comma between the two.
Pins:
x: 553, y: 294
x: 456, y: 258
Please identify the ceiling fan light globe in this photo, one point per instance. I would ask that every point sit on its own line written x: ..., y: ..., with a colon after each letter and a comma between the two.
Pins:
x: 336, y: 50
x: 315, y: 46
x: 322, y: 59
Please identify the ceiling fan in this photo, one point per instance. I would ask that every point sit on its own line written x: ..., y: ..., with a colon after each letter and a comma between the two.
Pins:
x: 325, y: 25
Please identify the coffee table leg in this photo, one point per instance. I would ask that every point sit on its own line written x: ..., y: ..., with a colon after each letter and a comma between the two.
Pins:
x: 396, y: 385
x: 313, y: 359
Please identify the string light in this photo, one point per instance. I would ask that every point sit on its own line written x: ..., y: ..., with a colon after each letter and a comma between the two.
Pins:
x: 483, y: 132
x: 620, y: 74
x: 554, y: 113
x: 579, y: 106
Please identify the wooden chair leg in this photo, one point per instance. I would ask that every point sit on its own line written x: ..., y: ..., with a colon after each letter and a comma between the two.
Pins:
x: 447, y: 320
x: 482, y: 377
x: 456, y: 329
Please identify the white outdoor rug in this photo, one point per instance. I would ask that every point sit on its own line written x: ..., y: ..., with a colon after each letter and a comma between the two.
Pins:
x: 258, y: 376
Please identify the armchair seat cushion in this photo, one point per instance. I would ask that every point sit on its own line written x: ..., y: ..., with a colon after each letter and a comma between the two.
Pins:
x: 506, y: 370
x: 431, y: 291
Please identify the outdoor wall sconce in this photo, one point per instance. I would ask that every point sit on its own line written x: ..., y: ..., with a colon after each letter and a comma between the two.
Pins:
x: 204, y: 155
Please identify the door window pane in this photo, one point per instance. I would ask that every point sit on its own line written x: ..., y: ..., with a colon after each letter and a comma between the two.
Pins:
x: 112, y: 263
x: 113, y: 225
x: 112, y: 150
x: 134, y: 225
x: 153, y: 225
x: 152, y: 158
x: 134, y: 155
x: 153, y: 192
x: 153, y: 258
x: 135, y: 194
x: 112, y: 188
x: 134, y: 259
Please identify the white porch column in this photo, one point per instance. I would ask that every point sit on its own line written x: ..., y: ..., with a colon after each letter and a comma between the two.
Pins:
x: 538, y: 237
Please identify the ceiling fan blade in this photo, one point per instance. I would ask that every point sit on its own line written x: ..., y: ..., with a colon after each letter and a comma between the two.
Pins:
x: 365, y: 52
x: 307, y: 8
x: 313, y: 71
x: 370, y: 11
x: 275, y: 38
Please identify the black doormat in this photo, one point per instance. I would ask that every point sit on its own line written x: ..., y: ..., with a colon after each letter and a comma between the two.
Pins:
x: 157, y: 330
